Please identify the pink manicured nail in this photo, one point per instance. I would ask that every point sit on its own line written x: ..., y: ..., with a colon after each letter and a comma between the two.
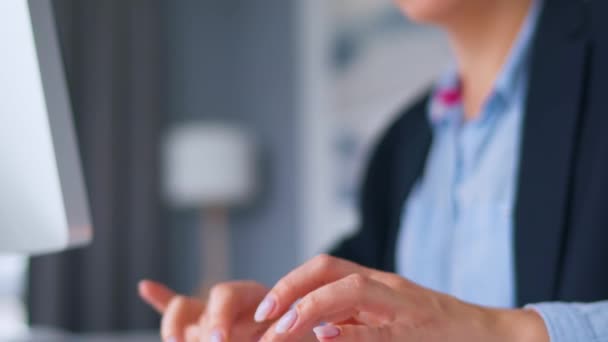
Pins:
x: 217, y: 336
x: 287, y: 321
x: 264, y: 309
x: 326, y: 331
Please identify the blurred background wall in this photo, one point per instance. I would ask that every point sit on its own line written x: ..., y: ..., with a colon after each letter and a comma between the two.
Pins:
x: 314, y: 82
x: 234, y: 61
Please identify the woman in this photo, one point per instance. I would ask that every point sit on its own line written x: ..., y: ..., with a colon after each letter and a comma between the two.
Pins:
x: 484, y: 198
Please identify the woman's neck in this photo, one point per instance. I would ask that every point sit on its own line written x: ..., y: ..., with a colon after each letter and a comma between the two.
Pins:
x: 482, y: 39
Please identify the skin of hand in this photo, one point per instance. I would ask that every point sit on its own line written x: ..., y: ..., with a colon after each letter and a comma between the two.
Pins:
x: 361, y: 304
x: 227, y: 314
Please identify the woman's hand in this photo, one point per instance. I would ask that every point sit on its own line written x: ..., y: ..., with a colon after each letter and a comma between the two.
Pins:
x: 226, y: 315
x: 361, y: 304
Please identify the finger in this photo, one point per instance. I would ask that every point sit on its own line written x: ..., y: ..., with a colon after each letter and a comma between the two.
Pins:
x: 319, y: 271
x: 352, y: 333
x: 335, y: 302
x: 192, y: 333
x: 155, y: 294
x: 181, y: 313
x: 227, y: 303
x: 243, y: 330
x: 248, y: 331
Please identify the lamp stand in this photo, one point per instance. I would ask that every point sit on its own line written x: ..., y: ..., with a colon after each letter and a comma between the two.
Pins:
x: 215, y: 246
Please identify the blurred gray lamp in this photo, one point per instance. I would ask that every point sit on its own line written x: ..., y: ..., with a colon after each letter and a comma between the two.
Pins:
x: 210, y: 167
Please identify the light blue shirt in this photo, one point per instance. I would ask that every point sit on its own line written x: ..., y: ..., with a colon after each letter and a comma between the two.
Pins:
x: 457, y: 225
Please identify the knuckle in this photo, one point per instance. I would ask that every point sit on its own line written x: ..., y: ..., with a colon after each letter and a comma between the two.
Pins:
x: 307, y: 305
x: 283, y: 287
x: 357, y: 282
x: 192, y: 333
x: 393, y: 281
x: 178, y: 302
x: 324, y: 262
x: 221, y: 292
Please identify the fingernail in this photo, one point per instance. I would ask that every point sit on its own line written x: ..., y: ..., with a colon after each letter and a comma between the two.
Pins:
x: 286, y: 321
x: 171, y: 339
x: 326, y: 331
x: 264, y: 309
x: 216, y: 336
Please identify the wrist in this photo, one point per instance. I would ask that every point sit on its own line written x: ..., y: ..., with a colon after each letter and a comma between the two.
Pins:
x: 523, y: 325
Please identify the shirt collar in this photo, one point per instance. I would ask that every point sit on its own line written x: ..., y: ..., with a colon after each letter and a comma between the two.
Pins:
x: 446, y: 98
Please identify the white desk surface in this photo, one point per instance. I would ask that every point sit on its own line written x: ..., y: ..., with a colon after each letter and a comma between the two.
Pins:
x: 46, y: 335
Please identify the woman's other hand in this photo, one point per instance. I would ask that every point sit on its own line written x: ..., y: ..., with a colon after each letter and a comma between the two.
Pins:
x: 361, y: 304
x: 225, y: 315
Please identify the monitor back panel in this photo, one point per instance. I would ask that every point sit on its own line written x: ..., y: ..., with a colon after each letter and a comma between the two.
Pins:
x: 43, y: 202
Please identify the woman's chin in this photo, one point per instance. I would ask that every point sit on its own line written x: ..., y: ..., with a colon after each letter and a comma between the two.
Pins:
x: 428, y: 11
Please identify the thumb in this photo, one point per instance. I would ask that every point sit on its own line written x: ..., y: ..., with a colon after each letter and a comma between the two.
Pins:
x: 352, y: 333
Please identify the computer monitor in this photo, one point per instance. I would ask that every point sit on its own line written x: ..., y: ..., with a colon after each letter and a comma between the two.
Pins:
x: 43, y: 202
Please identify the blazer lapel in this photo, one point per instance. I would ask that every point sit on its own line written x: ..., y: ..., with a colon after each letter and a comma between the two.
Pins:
x: 409, y: 157
x: 550, y: 129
